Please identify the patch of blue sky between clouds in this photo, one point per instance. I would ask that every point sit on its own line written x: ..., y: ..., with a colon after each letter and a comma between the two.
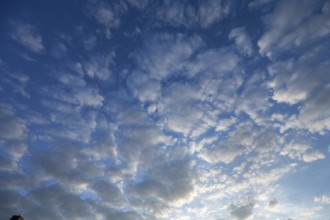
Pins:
x: 150, y: 110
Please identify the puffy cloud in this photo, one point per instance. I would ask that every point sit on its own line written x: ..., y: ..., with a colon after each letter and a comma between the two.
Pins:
x: 107, y: 15
x: 108, y: 192
x: 184, y: 13
x: 170, y: 123
x: 176, y: 108
x: 73, y: 92
x: 54, y: 202
x: 28, y: 36
x: 242, y: 210
x: 305, y: 18
x: 210, y: 12
x: 173, y: 184
x: 302, y: 152
x: 324, y: 199
x: 98, y: 67
x: 165, y: 55
x: 258, y: 3
x: 313, y: 115
x: 71, y: 121
x: 229, y: 149
x: 304, y: 82
x: 75, y: 169
x: 242, y: 40
x: 13, y: 133
x: 292, y: 81
x: 11, y: 127
x: 140, y: 4
x: 144, y: 88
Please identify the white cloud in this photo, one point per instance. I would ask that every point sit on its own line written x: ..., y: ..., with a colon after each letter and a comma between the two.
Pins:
x: 144, y: 88
x: 294, y: 83
x: 253, y: 100
x: 97, y: 66
x: 302, y: 152
x: 179, y: 128
x: 324, y: 199
x: 107, y: 15
x: 313, y: 155
x: 305, y: 25
x: 16, y: 82
x: 13, y: 133
x: 258, y: 3
x: 177, y: 108
x: 28, y: 36
x: 89, y: 96
x: 74, y: 91
x: 314, y: 115
x: 187, y: 15
x: 11, y: 126
x: 242, y: 40
x: 177, y: 14
x: 228, y: 150
x: 165, y: 55
x: 140, y: 4
x: 210, y: 12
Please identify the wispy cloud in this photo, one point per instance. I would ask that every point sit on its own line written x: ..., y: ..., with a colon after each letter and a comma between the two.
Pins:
x: 28, y: 36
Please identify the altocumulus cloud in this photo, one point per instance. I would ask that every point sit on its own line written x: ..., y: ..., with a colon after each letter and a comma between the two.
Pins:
x: 170, y: 109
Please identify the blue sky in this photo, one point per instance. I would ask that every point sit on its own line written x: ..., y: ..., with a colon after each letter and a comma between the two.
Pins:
x: 145, y: 110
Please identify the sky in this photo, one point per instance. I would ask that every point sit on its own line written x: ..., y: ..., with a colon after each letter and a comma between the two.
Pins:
x: 165, y: 109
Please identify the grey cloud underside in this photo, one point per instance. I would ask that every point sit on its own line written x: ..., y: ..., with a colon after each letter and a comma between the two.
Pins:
x: 183, y: 129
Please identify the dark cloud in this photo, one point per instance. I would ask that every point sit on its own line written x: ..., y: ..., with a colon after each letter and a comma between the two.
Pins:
x: 171, y: 183
x: 241, y: 211
x: 273, y: 203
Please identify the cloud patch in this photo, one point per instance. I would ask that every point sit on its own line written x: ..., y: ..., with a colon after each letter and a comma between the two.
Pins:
x: 28, y: 36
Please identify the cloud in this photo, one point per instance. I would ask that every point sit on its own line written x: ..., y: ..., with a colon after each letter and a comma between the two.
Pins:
x: 258, y: 3
x: 242, y: 40
x: 273, y: 204
x: 210, y: 12
x: 305, y: 17
x: 13, y: 132
x: 185, y: 14
x: 107, y: 15
x: 293, y: 84
x: 174, y: 121
x: 324, y: 199
x: 226, y: 151
x: 302, y: 152
x: 140, y: 4
x: 47, y: 201
x: 241, y: 211
x: 98, y: 66
x: 144, y: 88
x: 108, y: 192
x: 173, y: 184
x: 28, y: 36
x: 165, y: 55
x: 76, y: 92
x: 10, y: 206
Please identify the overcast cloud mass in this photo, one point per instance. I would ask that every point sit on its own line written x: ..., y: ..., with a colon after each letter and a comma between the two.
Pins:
x: 165, y: 110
